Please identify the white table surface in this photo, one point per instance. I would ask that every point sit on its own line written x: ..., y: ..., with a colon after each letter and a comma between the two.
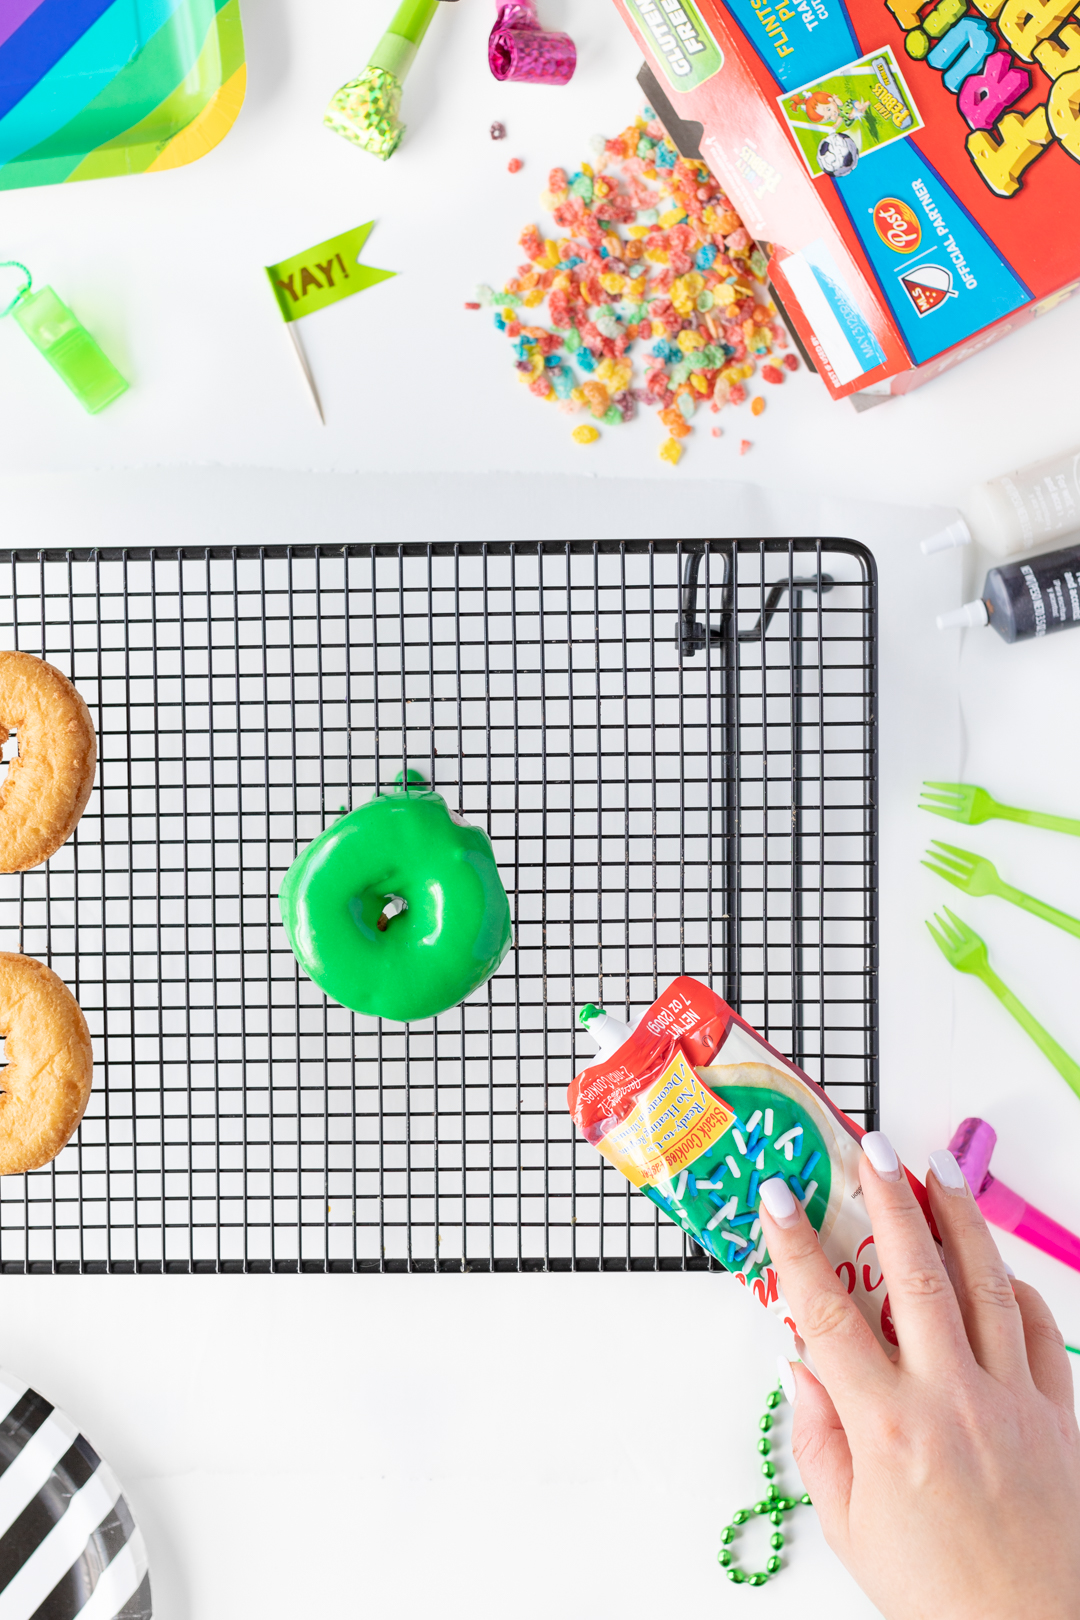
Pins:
x: 463, y: 1446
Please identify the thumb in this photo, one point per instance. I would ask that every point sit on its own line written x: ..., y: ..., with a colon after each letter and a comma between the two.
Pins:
x: 822, y: 1455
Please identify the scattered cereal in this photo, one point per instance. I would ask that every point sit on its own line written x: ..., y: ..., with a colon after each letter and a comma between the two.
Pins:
x: 791, y: 361
x: 653, y: 253
x: 585, y: 434
x: 473, y: 306
x: 757, y: 405
x: 718, y: 433
x: 744, y: 445
x: 515, y: 165
x: 771, y: 374
x: 498, y: 131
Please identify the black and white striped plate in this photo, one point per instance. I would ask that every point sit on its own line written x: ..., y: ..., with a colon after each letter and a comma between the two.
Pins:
x: 69, y: 1547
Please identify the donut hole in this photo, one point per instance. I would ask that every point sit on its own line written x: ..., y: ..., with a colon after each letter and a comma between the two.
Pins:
x: 9, y: 750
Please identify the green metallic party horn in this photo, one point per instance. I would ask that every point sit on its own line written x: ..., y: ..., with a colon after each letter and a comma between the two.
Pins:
x: 366, y: 109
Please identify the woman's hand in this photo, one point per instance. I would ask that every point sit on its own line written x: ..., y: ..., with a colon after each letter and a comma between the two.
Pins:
x: 946, y: 1479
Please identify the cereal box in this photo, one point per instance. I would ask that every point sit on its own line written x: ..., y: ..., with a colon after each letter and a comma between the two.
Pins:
x: 913, y: 170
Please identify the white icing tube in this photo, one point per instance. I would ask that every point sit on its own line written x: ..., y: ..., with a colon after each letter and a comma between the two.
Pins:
x: 608, y: 1033
x: 1020, y: 511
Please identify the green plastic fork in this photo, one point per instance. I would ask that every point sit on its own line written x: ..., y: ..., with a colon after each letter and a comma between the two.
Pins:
x: 973, y: 805
x: 978, y: 877
x: 966, y: 952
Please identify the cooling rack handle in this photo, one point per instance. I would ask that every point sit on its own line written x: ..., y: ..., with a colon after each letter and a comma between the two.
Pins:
x: 694, y: 635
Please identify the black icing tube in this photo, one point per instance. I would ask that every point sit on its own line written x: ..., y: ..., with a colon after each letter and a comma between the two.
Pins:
x: 1025, y: 600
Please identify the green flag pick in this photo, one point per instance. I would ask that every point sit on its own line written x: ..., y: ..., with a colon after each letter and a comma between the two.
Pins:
x: 321, y: 276
x: 324, y: 274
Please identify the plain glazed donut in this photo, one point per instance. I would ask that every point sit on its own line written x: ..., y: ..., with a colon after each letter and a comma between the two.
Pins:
x: 47, y: 786
x: 46, y: 1084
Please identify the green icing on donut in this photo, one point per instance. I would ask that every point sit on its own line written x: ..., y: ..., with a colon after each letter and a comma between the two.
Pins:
x: 397, y: 909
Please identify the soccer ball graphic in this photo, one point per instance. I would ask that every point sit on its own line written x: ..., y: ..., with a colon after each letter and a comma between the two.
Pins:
x: 838, y: 154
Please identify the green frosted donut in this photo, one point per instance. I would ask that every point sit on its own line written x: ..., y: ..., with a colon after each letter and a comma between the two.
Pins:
x: 397, y: 910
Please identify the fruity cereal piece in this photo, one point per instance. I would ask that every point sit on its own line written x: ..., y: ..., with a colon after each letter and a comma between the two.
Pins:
x: 653, y: 264
x: 758, y: 405
x: 585, y: 434
x: 597, y: 396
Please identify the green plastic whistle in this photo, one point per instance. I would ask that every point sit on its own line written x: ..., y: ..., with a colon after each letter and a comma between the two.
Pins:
x: 68, y: 347
x: 397, y: 910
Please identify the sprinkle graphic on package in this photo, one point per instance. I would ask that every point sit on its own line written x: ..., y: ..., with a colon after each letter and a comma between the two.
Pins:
x: 697, y: 1111
x: 655, y: 256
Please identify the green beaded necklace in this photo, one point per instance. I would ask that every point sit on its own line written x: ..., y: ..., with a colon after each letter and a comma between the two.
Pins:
x: 772, y: 1504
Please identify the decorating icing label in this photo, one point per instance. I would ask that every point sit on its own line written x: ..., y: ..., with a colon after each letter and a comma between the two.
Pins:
x: 324, y: 274
x: 697, y: 1111
x: 989, y: 59
x: 680, y: 41
x: 841, y: 117
x: 673, y: 1123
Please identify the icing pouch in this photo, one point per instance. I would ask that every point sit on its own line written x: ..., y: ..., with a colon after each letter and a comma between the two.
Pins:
x: 697, y: 1110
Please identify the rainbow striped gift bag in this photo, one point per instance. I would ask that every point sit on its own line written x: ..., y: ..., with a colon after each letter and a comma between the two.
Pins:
x: 90, y: 88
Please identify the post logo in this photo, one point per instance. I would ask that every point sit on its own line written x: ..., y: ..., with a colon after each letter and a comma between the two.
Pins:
x: 680, y: 41
x: 897, y: 225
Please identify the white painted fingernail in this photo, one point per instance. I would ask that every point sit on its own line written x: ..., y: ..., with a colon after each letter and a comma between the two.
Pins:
x: 779, y: 1200
x: 787, y: 1379
x: 947, y: 1171
x: 1008, y: 1269
x: 882, y: 1155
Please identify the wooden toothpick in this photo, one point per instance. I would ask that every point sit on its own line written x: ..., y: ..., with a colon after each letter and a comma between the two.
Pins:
x: 291, y: 328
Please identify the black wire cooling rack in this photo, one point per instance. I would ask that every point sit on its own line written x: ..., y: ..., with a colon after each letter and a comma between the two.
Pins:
x: 672, y: 746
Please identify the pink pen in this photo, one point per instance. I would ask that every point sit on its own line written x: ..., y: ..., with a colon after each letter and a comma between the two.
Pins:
x: 972, y: 1144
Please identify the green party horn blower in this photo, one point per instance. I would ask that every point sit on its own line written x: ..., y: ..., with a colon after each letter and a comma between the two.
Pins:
x: 366, y: 110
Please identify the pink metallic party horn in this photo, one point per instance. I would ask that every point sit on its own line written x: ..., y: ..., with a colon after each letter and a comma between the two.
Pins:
x: 520, y: 50
x: 972, y: 1145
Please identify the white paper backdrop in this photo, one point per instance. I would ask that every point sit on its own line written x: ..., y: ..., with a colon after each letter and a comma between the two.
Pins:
x: 462, y: 1446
